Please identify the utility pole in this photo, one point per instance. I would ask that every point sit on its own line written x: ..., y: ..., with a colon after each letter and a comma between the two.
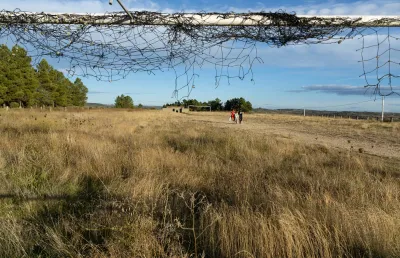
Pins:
x: 383, y: 107
x: 304, y: 112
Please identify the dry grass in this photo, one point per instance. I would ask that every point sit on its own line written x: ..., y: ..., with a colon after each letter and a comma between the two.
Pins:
x: 147, y: 184
x: 350, y: 128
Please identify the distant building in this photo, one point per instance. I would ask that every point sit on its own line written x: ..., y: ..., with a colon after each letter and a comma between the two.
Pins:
x: 176, y: 109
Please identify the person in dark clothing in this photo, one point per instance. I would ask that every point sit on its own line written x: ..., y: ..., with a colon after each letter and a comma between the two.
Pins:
x: 240, y: 116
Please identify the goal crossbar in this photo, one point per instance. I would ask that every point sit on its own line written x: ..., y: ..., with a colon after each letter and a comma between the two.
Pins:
x: 197, y: 19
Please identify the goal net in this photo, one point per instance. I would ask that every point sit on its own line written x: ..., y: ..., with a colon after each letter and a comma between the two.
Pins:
x: 113, y: 45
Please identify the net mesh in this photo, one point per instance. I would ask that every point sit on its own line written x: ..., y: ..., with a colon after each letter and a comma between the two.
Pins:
x: 109, y: 47
x: 380, y: 58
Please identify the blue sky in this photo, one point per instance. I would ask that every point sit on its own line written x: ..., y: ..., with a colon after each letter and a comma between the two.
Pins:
x: 316, y: 76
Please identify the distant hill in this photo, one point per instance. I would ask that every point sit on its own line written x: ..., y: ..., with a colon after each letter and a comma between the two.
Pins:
x: 152, y: 107
x: 360, y: 114
x: 98, y: 105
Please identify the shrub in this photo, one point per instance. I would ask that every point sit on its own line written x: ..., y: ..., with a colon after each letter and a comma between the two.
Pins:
x: 14, y: 105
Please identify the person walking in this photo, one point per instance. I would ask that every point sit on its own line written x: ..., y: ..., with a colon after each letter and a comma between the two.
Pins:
x: 233, y: 115
x: 240, y: 116
x: 237, y: 117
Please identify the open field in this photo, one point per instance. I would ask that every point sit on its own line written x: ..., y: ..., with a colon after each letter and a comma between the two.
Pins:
x: 108, y: 183
x: 376, y: 138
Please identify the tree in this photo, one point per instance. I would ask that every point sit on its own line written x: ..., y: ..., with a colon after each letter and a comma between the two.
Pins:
x: 18, y: 80
x: 238, y: 103
x: 61, y: 95
x: 78, y: 93
x: 215, y: 104
x: 44, y: 94
x: 140, y: 106
x: 27, y: 80
x: 3, y: 92
x: 191, y: 102
x: 176, y: 103
x: 20, y: 83
x: 123, y: 102
x: 247, y: 107
x: 5, y: 55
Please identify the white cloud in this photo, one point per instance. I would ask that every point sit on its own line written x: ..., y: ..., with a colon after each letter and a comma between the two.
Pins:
x: 55, y: 6
x: 346, y: 90
x: 369, y: 7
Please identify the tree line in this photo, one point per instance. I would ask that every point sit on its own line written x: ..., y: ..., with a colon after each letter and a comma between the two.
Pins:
x: 21, y: 85
x: 216, y: 104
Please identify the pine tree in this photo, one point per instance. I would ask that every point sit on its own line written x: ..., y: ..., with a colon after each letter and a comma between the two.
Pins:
x: 26, y: 79
x: 46, y: 87
x: 79, y: 93
x: 22, y: 85
x: 61, y: 84
x: 17, y: 77
x: 5, y: 58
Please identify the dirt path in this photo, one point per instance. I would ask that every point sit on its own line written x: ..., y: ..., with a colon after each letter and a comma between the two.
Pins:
x: 327, y: 136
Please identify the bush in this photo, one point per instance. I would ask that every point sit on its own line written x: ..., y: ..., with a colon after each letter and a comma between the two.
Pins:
x: 14, y: 105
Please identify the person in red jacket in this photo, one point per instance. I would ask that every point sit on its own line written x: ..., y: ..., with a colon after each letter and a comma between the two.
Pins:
x: 233, y: 115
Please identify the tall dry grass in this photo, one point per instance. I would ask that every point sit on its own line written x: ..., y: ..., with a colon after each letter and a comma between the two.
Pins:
x: 146, y: 184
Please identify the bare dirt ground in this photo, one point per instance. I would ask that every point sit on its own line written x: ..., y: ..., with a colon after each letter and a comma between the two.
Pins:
x: 369, y: 137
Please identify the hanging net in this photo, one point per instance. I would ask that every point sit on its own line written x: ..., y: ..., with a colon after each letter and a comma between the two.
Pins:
x: 380, y: 58
x: 111, y: 46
